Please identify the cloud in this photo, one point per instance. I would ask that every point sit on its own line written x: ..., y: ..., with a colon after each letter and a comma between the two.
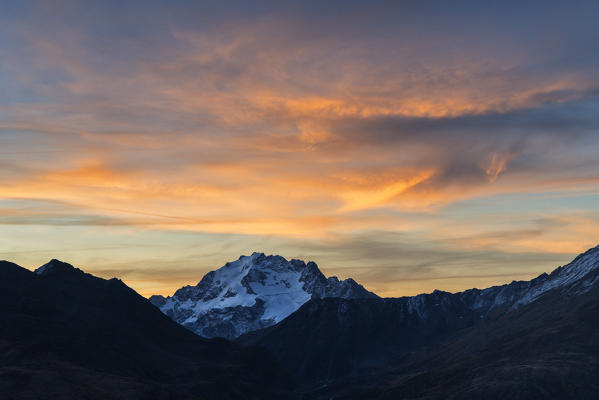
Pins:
x: 360, y: 126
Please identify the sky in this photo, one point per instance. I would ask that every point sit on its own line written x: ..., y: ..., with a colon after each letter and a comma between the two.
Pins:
x: 411, y: 145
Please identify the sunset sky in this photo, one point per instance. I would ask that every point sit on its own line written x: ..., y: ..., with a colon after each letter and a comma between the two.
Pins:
x: 410, y: 145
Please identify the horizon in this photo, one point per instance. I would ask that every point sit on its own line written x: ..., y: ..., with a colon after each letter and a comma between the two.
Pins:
x: 147, y: 295
x: 411, y: 147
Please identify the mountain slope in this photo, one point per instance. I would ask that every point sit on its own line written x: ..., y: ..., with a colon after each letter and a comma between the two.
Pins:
x: 252, y: 293
x: 67, y: 334
x: 545, y: 349
x: 336, y: 339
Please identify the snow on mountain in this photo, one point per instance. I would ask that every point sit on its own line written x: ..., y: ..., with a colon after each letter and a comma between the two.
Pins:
x: 259, y: 291
x: 577, y: 277
x: 573, y: 273
x: 545, y: 324
x: 251, y: 293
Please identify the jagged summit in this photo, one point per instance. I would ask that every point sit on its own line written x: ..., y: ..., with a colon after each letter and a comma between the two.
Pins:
x: 55, y: 266
x: 250, y: 293
x: 258, y: 291
x: 539, y: 317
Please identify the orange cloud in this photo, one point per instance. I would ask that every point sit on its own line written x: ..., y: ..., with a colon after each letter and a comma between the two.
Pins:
x: 238, y: 131
x: 375, y: 195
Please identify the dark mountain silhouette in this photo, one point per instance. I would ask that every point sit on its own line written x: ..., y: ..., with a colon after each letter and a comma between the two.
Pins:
x: 65, y: 334
x: 534, y: 339
x: 548, y: 349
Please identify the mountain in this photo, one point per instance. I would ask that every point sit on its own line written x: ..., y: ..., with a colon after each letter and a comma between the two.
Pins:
x: 526, y: 339
x: 545, y: 349
x: 251, y: 293
x: 67, y: 334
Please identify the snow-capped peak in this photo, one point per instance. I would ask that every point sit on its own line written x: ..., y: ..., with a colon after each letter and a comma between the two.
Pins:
x: 251, y: 293
x: 257, y: 291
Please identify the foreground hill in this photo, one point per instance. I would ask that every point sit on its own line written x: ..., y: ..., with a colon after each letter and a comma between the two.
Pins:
x: 533, y: 339
x: 65, y: 334
x: 251, y: 293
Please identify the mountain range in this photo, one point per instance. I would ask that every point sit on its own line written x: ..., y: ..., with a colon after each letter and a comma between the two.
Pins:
x: 297, y: 334
x: 526, y: 339
x: 251, y: 293
x: 65, y: 334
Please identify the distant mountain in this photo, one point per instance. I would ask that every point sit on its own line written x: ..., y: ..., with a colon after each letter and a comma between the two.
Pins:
x: 65, y: 334
x: 68, y: 334
x: 529, y: 339
x: 251, y: 293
